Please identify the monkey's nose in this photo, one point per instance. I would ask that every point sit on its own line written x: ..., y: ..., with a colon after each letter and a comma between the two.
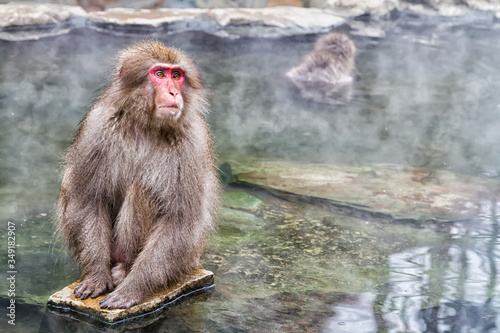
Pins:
x: 173, y: 92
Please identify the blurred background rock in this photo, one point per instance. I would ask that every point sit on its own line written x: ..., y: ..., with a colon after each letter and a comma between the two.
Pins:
x: 348, y: 8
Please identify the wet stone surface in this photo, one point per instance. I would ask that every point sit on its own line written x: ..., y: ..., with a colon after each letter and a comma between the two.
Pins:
x: 301, y: 256
x: 53, y: 19
x: 20, y: 21
x: 301, y: 246
x: 36, y: 15
x: 65, y: 300
x: 400, y: 192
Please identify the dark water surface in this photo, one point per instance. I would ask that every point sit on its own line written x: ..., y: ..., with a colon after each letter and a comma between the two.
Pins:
x: 424, y: 97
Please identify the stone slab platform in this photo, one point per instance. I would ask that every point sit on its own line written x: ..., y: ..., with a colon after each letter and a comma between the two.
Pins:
x: 65, y: 300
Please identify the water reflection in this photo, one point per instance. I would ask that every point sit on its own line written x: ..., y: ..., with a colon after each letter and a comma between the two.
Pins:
x: 354, y: 316
x: 447, y: 288
x: 408, y: 280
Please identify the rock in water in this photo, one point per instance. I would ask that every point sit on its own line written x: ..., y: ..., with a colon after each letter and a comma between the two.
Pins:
x: 401, y: 192
x: 65, y: 300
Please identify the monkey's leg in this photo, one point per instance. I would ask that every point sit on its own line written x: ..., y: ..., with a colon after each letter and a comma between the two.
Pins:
x: 130, y: 232
x: 119, y: 272
x: 167, y: 255
x: 89, y: 230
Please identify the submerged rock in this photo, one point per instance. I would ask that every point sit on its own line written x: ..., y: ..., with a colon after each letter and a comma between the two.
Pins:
x: 297, y: 248
x: 397, y: 191
x: 65, y: 300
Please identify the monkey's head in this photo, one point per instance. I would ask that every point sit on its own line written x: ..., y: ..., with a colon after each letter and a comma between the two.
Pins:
x: 158, y: 84
x: 337, y: 43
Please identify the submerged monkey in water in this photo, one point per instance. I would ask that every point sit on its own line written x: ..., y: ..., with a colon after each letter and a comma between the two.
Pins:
x: 140, y: 187
x: 326, y: 73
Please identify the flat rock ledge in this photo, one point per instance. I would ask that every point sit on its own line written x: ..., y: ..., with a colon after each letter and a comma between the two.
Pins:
x: 65, y: 301
x: 398, y: 192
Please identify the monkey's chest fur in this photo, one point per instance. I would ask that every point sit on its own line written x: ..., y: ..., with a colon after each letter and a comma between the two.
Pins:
x: 150, y: 183
x: 144, y: 182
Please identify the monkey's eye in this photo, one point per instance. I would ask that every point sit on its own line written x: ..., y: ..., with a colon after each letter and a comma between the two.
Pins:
x: 160, y: 74
x: 176, y: 75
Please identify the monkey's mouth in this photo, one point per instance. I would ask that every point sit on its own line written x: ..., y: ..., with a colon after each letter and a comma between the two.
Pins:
x: 170, y: 111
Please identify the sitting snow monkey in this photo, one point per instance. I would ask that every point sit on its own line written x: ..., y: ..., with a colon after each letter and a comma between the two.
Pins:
x: 326, y: 74
x: 140, y: 187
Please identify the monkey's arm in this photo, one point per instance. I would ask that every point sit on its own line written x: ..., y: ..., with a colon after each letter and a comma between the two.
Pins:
x: 85, y: 220
x: 95, y: 256
x: 87, y: 227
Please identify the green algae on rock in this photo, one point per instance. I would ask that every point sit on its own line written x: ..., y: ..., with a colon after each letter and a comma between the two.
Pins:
x: 242, y: 200
x: 299, y: 248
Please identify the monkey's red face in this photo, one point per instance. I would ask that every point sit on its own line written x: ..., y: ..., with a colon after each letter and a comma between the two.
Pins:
x: 167, y: 81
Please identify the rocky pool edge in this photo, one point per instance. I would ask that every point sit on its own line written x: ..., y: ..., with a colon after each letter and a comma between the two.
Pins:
x: 27, y: 21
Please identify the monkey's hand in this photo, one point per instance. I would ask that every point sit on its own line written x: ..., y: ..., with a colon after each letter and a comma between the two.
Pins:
x: 120, y: 299
x: 93, y: 287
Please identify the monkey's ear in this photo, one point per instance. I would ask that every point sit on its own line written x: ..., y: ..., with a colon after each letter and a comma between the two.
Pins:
x: 194, y: 78
x: 132, y: 73
x: 196, y: 84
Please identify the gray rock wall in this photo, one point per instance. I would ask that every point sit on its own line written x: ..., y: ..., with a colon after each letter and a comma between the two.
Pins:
x: 39, y: 20
x: 21, y: 20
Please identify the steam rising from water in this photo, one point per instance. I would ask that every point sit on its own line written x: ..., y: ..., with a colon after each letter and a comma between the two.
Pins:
x: 422, y: 100
x: 425, y: 98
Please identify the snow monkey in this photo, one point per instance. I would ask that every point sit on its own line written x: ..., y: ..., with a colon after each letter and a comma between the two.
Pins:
x: 326, y: 73
x: 140, y: 187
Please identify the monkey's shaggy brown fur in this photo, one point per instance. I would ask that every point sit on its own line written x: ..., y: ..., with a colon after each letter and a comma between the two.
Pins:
x: 139, y: 193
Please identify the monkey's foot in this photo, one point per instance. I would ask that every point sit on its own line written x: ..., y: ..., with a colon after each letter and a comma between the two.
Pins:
x: 120, y: 300
x: 92, y: 288
x: 118, y: 272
